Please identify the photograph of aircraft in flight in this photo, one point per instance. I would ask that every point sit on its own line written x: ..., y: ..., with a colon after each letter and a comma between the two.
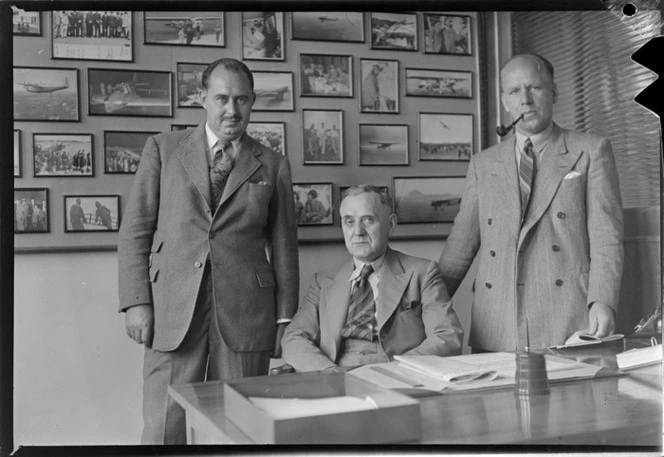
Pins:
x: 45, y: 94
x: 274, y: 91
x: 328, y: 26
x: 445, y: 136
x: 427, y: 199
x: 185, y: 28
x: 383, y: 144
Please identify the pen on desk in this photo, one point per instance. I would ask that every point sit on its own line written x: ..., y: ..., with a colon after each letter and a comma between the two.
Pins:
x: 396, y: 376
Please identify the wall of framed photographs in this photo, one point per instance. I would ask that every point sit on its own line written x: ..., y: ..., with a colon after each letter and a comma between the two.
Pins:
x: 390, y: 99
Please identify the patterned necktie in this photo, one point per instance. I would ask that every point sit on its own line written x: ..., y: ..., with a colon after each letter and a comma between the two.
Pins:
x: 222, y: 163
x: 360, y: 320
x: 526, y: 174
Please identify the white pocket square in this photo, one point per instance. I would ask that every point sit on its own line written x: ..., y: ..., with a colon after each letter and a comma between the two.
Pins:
x: 572, y: 175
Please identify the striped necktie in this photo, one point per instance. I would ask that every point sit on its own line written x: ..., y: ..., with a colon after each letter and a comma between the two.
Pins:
x: 360, y: 320
x: 222, y: 164
x: 526, y: 174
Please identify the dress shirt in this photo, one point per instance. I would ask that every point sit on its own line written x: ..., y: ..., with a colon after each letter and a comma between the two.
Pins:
x: 374, y: 277
x: 540, y: 141
x: 212, y: 140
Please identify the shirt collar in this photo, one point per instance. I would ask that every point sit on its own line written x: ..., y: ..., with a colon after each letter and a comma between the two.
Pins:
x: 539, y: 139
x: 376, y: 264
x: 212, y: 140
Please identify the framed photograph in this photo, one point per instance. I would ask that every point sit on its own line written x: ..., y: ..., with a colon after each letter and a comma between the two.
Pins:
x: 46, y: 94
x: 184, y: 28
x: 129, y: 93
x: 26, y: 23
x: 313, y: 203
x: 427, y: 199
x: 31, y: 210
x: 274, y: 91
x: 17, y: 153
x: 394, y: 31
x: 324, y: 75
x: 263, y: 35
x: 122, y: 150
x: 328, y: 26
x: 447, y: 34
x: 269, y: 134
x: 383, y: 144
x: 63, y: 154
x: 323, y: 137
x: 189, y: 83
x: 379, y: 86
x: 445, y: 136
x: 439, y: 83
x: 92, y: 35
x: 177, y: 127
x: 92, y: 213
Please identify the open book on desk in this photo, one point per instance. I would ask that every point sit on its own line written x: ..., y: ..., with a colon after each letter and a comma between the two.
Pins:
x: 499, y: 368
x: 584, y: 339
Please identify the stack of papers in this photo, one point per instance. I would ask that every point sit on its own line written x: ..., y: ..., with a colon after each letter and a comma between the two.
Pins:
x: 447, y: 369
x: 585, y: 339
x: 291, y: 408
x: 635, y: 358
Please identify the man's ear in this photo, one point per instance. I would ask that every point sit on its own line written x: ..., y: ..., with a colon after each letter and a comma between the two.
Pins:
x: 253, y: 99
x: 503, y: 98
x: 203, y: 96
x: 393, y: 222
x: 554, y: 88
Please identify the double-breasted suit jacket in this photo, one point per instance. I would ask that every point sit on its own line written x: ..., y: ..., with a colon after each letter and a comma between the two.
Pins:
x: 169, y: 231
x: 567, y: 254
x: 414, y: 314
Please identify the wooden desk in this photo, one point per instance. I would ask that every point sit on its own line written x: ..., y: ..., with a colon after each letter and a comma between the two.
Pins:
x: 625, y: 410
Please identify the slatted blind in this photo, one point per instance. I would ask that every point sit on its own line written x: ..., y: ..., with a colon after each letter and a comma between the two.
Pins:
x: 598, y: 81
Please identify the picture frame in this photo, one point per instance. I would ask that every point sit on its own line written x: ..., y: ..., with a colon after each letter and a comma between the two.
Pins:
x: 269, y: 134
x: 428, y: 199
x: 379, y: 86
x: 26, y: 23
x: 328, y: 26
x: 189, y: 84
x: 46, y: 94
x: 178, y: 127
x: 274, y: 91
x: 323, y: 137
x: 448, y: 34
x: 31, y: 210
x: 185, y: 28
x: 17, y: 153
x: 326, y: 75
x: 69, y: 155
x: 91, y: 213
x: 263, y: 36
x: 394, y: 31
x: 445, y: 136
x: 92, y: 35
x: 129, y: 93
x: 422, y: 82
x: 314, y: 203
x: 122, y: 150
x: 383, y: 144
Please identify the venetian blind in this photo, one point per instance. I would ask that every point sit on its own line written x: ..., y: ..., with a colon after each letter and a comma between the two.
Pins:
x: 597, y: 82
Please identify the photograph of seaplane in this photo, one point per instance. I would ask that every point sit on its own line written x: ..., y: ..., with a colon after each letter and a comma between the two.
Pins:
x: 122, y: 150
x: 445, y: 136
x: 428, y: 199
x: 185, y: 28
x: 383, y: 144
x: 438, y: 83
x: 274, y: 91
x: 45, y: 94
x: 396, y: 31
x: 328, y: 26
x: 129, y: 93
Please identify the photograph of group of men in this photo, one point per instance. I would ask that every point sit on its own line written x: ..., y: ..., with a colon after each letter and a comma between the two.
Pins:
x: 92, y: 24
x: 323, y: 138
x: 30, y: 211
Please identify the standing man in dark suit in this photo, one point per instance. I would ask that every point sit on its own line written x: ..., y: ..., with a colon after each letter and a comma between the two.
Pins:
x: 542, y: 212
x: 208, y: 259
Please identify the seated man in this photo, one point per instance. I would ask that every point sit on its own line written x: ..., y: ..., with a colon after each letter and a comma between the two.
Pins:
x: 380, y: 304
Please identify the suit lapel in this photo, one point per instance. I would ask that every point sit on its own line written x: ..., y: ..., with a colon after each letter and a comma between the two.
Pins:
x: 337, y: 298
x: 244, y: 166
x: 505, y: 183
x: 192, y: 156
x: 393, y: 282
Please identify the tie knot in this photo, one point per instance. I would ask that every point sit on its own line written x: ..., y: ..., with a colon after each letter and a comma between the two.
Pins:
x: 528, y: 145
x: 367, y: 269
x: 224, y: 148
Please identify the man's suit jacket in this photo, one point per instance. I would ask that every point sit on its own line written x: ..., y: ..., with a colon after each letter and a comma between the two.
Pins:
x: 567, y: 254
x: 413, y: 312
x: 169, y: 230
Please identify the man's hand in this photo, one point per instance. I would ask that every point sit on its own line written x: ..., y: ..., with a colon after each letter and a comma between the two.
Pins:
x: 276, y: 352
x: 601, y: 321
x: 139, y: 322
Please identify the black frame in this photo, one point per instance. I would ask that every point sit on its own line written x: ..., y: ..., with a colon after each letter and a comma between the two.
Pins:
x: 39, y: 24
x: 420, y: 142
x: 106, y: 152
x: 91, y: 174
x: 350, y: 76
x: 222, y: 33
x: 439, y: 17
x: 441, y: 95
x: 322, y: 16
x: 178, y: 127
x: 396, y: 87
x: 279, y: 18
x: 435, y: 204
x: 48, y: 210
x: 331, y: 208
x: 392, y: 48
x: 90, y: 196
x: 47, y: 117
x: 359, y: 146
x: 291, y: 89
x: 16, y: 151
x: 283, y: 131
x: 341, y: 137
x: 199, y: 87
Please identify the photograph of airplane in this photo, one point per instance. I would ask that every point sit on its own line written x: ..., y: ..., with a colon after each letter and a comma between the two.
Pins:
x: 328, y: 26
x: 438, y: 83
x: 445, y: 136
x: 92, y: 35
x: 383, y: 144
x: 46, y: 94
x: 129, y: 93
x: 428, y: 199
x: 274, y: 91
x: 185, y: 28
x: 396, y: 31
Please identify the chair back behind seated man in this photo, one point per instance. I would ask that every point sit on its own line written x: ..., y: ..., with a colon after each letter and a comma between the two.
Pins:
x: 379, y: 304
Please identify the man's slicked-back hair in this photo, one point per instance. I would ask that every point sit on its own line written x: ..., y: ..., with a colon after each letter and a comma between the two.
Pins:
x: 359, y: 189
x: 229, y: 64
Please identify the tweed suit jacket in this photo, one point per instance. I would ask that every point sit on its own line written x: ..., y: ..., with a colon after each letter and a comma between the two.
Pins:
x: 567, y: 254
x: 413, y: 312
x: 169, y: 230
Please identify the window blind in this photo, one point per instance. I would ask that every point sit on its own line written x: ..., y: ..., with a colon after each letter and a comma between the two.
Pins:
x: 597, y: 82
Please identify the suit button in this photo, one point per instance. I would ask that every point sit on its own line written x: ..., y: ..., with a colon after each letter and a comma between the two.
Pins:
x: 198, y: 264
x: 492, y: 253
x: 561, y: 215
x: 212, y: 236
x: 488, y: 285
x: 489, y: 221
x: 559, y: 282
x: 555, y: 248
